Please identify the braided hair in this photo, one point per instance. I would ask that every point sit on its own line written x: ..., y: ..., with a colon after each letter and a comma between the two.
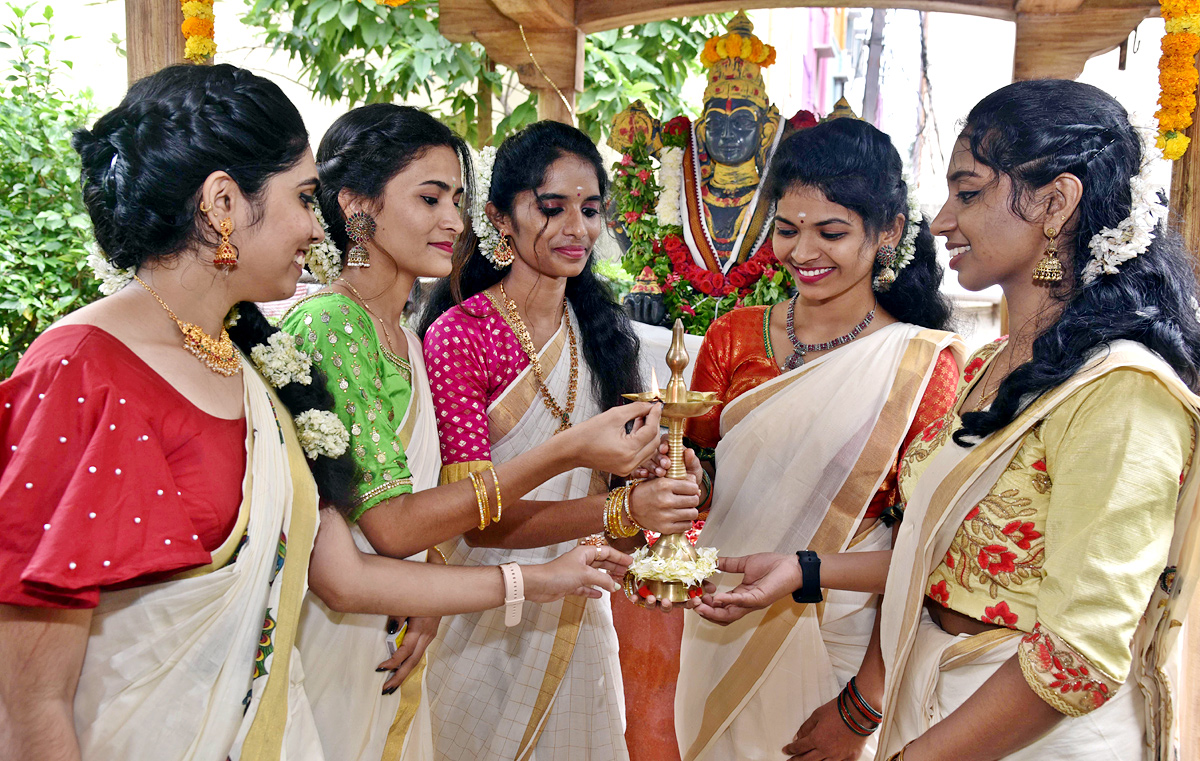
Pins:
x: 1033, y: 132
x: 143, y: 165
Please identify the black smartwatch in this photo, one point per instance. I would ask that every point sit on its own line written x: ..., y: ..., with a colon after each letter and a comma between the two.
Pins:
x: 810, y: 571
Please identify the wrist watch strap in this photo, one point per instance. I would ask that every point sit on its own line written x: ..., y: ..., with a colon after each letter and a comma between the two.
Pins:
x: 810, y: 570
x: 514, y: 593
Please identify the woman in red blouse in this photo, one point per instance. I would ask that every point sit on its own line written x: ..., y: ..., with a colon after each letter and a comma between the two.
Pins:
x: 160, y: 503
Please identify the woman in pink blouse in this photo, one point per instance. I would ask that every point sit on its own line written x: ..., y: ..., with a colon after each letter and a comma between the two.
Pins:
x: 523, y: 341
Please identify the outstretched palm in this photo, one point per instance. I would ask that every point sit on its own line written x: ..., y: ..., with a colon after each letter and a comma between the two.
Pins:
x: 766, y: 577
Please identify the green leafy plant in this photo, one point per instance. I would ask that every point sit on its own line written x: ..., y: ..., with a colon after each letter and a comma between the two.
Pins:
x: 44, y: 229
x: 365, y: 52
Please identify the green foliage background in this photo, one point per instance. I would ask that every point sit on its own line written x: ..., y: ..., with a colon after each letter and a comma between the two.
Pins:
x: 367, y: 53
x: 44, y: 229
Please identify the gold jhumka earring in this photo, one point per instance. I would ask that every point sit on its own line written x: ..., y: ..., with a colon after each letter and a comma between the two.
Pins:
x: 360, y: 228
x: 1049, y: 269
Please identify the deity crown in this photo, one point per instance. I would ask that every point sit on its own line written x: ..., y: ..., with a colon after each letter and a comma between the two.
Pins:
x: 735, y: 61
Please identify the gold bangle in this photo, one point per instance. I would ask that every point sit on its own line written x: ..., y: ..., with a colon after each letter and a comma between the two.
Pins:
x: 613, y: 505
x: 440, y: 554
x: 481, y: 499
x: 628, y: 495
x: 496, y: 486
x: 611, y: 514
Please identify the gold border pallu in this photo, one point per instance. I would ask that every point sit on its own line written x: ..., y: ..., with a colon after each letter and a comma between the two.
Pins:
x: 834, y: 534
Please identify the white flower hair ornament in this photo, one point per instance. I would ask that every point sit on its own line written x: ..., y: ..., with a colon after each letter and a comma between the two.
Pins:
x: 111, y: 277
x: 1113, y: 246
x: 323, y: 259
x: 281, y: 362
x: 907, y: 250
x: 322, y: 433
x: 489, y: 236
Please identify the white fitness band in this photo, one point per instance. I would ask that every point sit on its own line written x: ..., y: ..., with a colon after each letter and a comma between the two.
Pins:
x: 514, y: 593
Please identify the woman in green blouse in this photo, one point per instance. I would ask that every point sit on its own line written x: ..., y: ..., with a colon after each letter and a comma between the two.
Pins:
x: 391, y: 188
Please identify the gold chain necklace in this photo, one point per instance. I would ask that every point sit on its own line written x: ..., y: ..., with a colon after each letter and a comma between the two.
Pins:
x: 405, y: 367
x: 218, y: 355
x: 526, y: 341
x: 985, y: 396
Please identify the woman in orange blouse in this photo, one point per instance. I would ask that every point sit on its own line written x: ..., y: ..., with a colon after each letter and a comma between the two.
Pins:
x: 1048, y: 550
x: 821, y: 395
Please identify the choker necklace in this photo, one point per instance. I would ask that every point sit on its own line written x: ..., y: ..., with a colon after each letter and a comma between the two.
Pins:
x: 562, y: 413
x: 800, y: 348
x: 218, y: 355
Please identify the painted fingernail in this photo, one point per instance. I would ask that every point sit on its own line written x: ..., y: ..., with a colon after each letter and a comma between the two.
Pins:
x: 389, y: 690
x: 381, y: 669
x: 393, y: 626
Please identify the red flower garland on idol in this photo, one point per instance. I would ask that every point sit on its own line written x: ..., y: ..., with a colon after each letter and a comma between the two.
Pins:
x: 741, y: 278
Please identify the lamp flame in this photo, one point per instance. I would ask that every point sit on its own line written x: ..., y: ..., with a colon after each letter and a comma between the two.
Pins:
x: 654, y: 390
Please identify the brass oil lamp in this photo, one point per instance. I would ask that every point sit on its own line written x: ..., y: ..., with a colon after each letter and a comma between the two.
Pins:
x: 679, y: 404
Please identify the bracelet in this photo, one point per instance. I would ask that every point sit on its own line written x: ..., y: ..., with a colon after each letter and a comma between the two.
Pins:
x: 628, y: 515
x: 859, y: 702
x: 899, y: 755
x: 496, y: 486
x: 514, y: 593
x: 440, y: 554
x: 849, y: 720
x: 481, y: 499
x: 810, y: 570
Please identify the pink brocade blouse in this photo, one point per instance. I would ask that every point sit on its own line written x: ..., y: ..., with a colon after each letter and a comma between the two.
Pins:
x: 472, y: 356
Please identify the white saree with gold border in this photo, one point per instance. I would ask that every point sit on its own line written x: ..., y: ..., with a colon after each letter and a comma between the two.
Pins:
x: 549, y: 688
x: 799, y: 460
x: 930, y: 673
x: 355, y: 720
x: 202, y: 667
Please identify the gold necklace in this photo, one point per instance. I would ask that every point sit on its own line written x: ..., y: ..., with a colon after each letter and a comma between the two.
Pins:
x: 985, y: 395
x: 218, y: 355
x: 403, y: 364
x: 526, y: 341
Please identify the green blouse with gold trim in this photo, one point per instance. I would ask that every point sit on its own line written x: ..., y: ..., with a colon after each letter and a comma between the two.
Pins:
x: 372, y: 387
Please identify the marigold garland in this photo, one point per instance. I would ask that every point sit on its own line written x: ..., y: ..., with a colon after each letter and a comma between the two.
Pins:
x: 1177, y: 75
x: 197, y: 28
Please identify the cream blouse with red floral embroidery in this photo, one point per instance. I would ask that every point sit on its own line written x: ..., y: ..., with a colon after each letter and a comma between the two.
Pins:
x: 1069, y: 543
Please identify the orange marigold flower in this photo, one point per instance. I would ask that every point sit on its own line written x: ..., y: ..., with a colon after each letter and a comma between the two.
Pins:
x: 710, y: 49
x: 770, y: 59
x: 1180, y: 45
x: 733, y: 45
x: 197, y: 27
x: 757, y: 53
x: 1176, y: 8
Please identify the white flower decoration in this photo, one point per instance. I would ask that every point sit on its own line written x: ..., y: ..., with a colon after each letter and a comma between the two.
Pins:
x: 232, y: 318
x: 489, y: 236
x: 646, y: 566
x: 322, y: 433
x: 670, y: 178
x: 281, y: 362
x: 907, y: 250
x: 323, y: 259
x: 1113, y: 246
x: 112, y: 278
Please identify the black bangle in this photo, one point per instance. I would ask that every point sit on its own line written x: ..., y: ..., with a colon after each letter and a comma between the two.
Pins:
x: 810, y: 570
x: 705, y: 487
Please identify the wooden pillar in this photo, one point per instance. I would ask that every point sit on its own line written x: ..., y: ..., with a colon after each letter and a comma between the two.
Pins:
x: 153, y: 39
x: 1185, y: 193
